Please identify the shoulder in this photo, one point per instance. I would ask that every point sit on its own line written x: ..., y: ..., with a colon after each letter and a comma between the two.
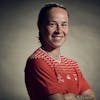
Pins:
x: 37, y: 55
x: 38, y: 60
x: 69, y: 61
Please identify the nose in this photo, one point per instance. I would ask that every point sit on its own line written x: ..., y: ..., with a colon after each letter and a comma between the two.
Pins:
x: 58, y: 29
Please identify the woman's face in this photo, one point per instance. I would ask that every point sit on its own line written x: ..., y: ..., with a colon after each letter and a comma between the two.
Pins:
x: 56, y: 27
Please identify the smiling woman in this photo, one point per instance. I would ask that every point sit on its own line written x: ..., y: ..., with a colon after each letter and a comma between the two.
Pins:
x: 55, y: 30
x: 48, y: 74
x: 52, y: 24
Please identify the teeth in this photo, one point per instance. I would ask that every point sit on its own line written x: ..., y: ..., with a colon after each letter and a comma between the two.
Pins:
x: 57, y: 38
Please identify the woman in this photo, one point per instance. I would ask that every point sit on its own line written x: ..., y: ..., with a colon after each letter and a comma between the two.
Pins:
x: 48, y: 75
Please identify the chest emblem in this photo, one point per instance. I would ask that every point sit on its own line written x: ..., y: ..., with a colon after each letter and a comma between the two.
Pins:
x: 60, y: 78
x: 68, y: 76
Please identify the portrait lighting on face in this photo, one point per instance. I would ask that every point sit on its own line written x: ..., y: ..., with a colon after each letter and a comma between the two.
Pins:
x: 53, y: 76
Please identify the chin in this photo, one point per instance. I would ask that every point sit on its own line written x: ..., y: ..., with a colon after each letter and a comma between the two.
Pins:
x: 56, y: 45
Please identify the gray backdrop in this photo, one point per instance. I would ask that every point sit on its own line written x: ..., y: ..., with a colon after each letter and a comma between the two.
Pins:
x: 19, y: 38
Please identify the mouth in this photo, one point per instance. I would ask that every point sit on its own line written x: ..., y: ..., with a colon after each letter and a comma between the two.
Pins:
x: 57, y: 37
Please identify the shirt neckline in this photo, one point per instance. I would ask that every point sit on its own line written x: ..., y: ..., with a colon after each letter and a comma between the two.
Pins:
x: 58, y: 61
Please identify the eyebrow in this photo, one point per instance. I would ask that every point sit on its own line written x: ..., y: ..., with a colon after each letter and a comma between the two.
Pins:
x: 55, y: 21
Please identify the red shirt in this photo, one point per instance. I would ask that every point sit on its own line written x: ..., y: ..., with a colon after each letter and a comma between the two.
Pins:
x: 45, y: 76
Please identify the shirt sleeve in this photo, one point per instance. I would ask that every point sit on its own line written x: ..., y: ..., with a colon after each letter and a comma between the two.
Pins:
x: 43, y: 78
x: 84, y: 85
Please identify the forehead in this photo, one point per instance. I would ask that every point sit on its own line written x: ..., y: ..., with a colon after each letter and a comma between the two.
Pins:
x: 57, y: 14
x: 57, y: 10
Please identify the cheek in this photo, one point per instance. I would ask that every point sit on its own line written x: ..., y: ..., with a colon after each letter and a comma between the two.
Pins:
x: 66, y: 31
x: 50, y: 30
x: 67, y: 28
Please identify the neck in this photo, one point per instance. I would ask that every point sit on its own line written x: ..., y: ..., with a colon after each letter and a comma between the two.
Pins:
x: 55, y: 52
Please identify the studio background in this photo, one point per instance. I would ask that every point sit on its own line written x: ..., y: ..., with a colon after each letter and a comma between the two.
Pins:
x: 19, y: 39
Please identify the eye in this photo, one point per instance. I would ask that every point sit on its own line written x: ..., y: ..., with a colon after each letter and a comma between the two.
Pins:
x: 64, y: 24
x: 52, y: 24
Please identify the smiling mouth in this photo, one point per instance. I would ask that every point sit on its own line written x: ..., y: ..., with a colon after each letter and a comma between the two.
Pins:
x: 57, y: 37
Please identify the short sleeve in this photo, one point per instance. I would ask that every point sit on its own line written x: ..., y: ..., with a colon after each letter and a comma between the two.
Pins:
x: 43, y: 78
x: 84, y: 85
